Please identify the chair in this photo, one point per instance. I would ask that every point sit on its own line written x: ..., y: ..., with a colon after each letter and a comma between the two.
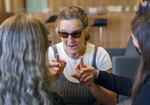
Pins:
x: 100, y: 23
x: 125, y: 62
x: 50, y: 24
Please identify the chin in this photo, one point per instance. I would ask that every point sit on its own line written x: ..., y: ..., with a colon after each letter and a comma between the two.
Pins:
x: 73, y: 51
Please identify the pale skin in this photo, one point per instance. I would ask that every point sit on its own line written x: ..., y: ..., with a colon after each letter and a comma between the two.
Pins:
x: 75, y: 48
x: 56, y: 66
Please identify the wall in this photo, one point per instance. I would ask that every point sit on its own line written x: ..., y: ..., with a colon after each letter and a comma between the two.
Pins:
x: 114, y: 35
x: 56, y: 5
x: 36, y: 5
x: 2, y: 6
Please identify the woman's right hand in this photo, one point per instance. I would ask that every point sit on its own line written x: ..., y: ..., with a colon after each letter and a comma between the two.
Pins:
x: 56, y: 66
x: 85, y: 73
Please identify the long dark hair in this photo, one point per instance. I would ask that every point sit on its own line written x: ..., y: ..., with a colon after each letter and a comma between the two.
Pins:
x: 141, y: 30
x: 23, y: 45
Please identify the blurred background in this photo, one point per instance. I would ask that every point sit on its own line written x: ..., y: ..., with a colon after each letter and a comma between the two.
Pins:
x: 109, y: 19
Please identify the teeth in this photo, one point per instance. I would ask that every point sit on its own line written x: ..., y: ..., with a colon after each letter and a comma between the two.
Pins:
x: 71, y: 45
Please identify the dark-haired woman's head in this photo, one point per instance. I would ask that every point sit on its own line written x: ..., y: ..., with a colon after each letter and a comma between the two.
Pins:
x: 141, y: 39
x: 141, y: 32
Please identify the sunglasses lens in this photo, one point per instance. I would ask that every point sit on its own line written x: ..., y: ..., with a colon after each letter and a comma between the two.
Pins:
x: 63, y: 34
x: 75, y: 34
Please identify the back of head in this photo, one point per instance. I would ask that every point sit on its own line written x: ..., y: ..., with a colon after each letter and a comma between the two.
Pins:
x: 23, y: 43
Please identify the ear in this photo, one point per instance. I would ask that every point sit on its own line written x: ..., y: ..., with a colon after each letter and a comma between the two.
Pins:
x: 87, y: 35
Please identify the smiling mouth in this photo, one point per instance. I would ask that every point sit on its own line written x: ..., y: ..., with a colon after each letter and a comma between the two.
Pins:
x: 72, y: 46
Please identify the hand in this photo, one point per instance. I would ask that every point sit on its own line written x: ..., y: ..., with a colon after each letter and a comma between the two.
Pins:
x: 84, y: 73
x: 88, y: 75
x: 56, y: 66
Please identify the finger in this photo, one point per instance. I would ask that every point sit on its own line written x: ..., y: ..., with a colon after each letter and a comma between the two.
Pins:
x: 76, y: 75
x: 57, y: 57
x: 63, y: 64
x: 84, y: 70
x: 53, y: 64
x: 83, y: 76
x: 88, y: 78
x: 77, y: 67
x: 81, y: 62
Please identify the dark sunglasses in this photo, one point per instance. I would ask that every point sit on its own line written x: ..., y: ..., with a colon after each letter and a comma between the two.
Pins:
x: 74, y: 34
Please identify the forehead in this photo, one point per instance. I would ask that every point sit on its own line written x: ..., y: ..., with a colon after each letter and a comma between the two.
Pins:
x: 70, y: 24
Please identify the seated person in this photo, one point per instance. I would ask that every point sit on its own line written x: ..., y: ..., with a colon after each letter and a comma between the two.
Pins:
x: 23, y: 45
x: 138, y: 88
x: 72, y: 26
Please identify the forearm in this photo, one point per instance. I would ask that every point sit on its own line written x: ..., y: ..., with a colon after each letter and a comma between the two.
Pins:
x: 103, y: 95
x: 120, y: 85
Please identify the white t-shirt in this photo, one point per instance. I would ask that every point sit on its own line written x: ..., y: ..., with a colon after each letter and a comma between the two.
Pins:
x: 103, y: 61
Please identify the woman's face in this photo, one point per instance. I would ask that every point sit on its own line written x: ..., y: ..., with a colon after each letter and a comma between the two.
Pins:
x: 135, y: 41
x: 72, y: 35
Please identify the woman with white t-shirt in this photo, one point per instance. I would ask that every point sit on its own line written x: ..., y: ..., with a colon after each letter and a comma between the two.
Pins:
x: 72, y: 24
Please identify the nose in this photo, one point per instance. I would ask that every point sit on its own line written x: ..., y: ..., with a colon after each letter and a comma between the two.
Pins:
x: 70, y: 37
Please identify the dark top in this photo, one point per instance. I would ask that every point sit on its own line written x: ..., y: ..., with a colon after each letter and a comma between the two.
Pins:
x: 56, y: 99
x: 73, y: 93
x: 122, y: 85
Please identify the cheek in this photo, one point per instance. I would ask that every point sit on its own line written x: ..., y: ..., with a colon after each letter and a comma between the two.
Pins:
x: 63, y: 40
x: 135, y: 42
x: 80, y: 41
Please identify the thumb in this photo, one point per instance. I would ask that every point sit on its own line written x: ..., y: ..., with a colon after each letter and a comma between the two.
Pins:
x: 57, y: 57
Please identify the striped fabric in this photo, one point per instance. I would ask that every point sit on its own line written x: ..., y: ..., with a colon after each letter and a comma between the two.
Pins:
x: 73, y: 93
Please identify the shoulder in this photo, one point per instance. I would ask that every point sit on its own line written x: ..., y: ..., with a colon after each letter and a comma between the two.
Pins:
x: 58, y: 46
x: 92, y: 46
x: 146, y: 87
x: 143, y: 97
x: 51, y: 51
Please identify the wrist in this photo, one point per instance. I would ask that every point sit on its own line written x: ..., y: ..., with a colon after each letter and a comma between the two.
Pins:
x: 96, y: 74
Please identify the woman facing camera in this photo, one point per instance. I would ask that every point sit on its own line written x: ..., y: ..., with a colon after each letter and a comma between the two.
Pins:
x: 72, y: 28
